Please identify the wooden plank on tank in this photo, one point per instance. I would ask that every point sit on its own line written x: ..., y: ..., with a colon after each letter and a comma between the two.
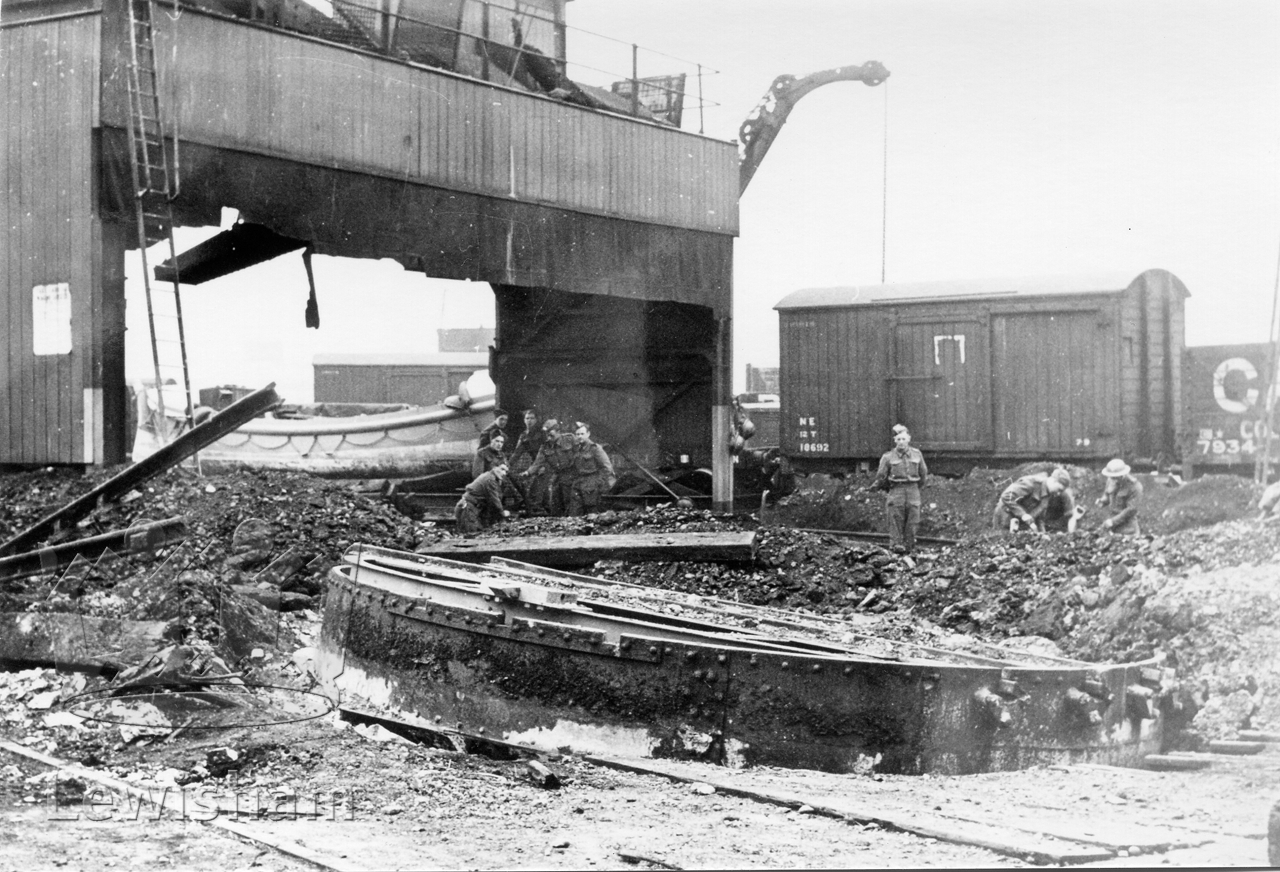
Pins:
x: 585, y: 550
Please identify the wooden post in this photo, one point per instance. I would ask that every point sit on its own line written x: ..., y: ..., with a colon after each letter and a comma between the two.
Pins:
x: 722, y: 418
x: 635, y: 79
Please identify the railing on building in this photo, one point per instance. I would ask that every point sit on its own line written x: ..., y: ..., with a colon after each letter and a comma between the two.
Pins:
x: 522, y: 48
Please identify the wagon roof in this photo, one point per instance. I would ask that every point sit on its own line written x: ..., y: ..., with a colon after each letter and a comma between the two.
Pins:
x: 444, y: 358
x: 965, y: 289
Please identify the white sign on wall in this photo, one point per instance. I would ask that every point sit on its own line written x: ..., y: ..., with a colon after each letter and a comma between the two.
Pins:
x: 51, y: 319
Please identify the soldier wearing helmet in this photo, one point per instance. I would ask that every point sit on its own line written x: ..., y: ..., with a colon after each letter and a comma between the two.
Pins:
x: 1122, y: 495
x: 1024, y: 503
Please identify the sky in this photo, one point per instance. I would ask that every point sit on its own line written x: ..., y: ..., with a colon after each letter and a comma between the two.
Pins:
x: 1011, y: 139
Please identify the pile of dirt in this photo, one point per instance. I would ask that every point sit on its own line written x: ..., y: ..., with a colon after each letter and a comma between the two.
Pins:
x: 270, y: 538
x: 954, y: 508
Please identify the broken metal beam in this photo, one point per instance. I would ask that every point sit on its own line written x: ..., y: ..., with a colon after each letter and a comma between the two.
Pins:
x: 738, y: 547
x: 241, y: 246
x: 144, y: 537
x: 189, y: 443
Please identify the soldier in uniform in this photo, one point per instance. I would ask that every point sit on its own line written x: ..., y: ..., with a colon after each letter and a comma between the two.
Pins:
x: 490, y: 456
x: 592, y: 473
x: 1025, y: 502
x: 533, y: 491
x: 481, y: 504
x: 496, y: 426
x: 555, y: 461
x: 1122, y: 495
x: 901, y: 474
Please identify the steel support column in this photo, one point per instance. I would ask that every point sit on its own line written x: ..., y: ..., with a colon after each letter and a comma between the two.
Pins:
x: 722, y: 418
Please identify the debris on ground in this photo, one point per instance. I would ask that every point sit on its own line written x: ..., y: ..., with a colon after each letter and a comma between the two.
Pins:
x: 240, y: 600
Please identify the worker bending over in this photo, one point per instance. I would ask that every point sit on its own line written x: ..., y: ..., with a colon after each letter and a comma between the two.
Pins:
x: 1122, y: 495
x: 481, y: 504
x: 555, y: 461
x: 1024, y: 503
x: 1269, y: 503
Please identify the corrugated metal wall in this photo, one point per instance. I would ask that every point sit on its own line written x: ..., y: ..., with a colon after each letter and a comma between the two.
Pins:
x: 270, y: 92
x: 50, y: 403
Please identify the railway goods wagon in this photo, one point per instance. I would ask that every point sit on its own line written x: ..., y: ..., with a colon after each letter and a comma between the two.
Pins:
x: 1224, y: 412
x: 417, y: 379
x: 1069, y: 369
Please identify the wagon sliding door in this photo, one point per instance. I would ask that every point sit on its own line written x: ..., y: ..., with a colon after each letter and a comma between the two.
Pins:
x: 939, y: 383
x: 1054, y: 379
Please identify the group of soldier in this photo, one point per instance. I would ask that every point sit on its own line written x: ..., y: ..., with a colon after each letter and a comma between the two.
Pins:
x: 551, y: 470
x: 1041, y: 501
x: 556, y: 470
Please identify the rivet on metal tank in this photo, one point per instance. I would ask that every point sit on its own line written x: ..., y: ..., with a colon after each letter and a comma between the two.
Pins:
x: 1081, y: 705
x: 993, y: 709
x: 1140, y: 702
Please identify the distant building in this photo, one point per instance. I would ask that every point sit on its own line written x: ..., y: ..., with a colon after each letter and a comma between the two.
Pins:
x: 762, y: 379
x: 465, y: 338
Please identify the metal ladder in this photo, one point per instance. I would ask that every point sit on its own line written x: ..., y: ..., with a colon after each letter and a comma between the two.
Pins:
x: 155, y: 185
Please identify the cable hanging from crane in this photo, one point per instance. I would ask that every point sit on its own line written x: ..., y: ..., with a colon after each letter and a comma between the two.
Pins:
x: 884, y: 187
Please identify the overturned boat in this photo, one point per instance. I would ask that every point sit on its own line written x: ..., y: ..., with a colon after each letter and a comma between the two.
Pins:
x: 560, y: 661
x: 384, y: 445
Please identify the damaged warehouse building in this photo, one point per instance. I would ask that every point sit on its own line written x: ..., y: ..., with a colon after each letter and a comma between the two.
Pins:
x: 607, y: 239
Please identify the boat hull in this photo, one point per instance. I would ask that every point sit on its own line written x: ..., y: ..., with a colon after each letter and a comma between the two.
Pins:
x: 389, y: 445
x: 548, y: 677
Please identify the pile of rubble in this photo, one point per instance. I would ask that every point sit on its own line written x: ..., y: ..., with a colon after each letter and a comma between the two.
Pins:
x: 260, y: 544
x: 265, y: 537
